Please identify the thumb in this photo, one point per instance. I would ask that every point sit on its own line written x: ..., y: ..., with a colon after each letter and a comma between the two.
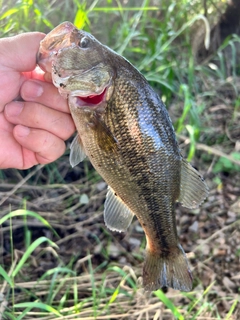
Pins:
x: 19, y: 52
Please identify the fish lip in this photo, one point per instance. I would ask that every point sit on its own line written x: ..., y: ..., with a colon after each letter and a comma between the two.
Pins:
x: 58, y: 38
x: 61, y: 83
x: 44, y: 60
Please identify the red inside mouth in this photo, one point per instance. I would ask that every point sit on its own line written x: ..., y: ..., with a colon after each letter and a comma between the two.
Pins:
x: 94, y: 98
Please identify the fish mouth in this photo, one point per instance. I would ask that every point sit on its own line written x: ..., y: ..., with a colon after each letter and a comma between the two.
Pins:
x: 91, y: 100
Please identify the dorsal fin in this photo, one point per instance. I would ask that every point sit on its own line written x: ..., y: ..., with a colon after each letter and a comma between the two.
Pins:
x: 193, y: 189
x: 117, y: 215
x: 77, y: 153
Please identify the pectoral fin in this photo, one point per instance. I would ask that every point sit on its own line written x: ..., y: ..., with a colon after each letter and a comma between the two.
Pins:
x: 105, y: 139
x: 193, y: 187
x: 117, y: 215
x: 77, y: 153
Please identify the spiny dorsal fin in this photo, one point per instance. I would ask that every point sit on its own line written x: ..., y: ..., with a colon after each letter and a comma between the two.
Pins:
x: 117, y: 215
x: 193, y: 187
x: 77, y: 153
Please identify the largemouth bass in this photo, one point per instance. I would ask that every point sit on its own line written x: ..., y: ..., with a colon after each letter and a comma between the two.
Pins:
x: 125, y: 130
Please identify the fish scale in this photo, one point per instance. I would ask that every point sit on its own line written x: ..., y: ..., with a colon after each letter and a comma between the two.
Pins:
x: 124, y: 129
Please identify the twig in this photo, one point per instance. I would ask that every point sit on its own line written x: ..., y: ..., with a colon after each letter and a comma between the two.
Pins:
x: 214, y: 151
x: 17, y: 186
x: 213, y: 236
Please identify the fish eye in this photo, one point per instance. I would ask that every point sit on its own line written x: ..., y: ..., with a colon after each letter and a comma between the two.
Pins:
x: 84, y: 42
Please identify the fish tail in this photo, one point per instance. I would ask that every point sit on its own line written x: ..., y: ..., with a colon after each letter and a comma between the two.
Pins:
x: 169, y: 269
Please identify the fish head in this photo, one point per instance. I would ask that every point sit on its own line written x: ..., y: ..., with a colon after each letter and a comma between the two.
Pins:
x: 78, y: 63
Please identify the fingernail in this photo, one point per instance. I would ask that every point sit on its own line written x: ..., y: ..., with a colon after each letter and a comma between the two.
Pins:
x: 22, y: 131
x: 14, y: 108
x: 31, y: 89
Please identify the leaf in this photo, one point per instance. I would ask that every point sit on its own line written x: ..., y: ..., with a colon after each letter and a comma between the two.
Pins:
x: 84, y: 199
x: 226, y: 165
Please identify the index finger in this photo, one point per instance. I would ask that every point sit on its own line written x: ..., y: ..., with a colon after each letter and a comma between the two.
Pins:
x: 37, y: 74
x: 44, y: 93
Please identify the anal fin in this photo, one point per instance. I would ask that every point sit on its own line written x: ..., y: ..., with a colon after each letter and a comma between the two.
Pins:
x: 194, y: 189
x: 117, y: 215
x: 77, y: 153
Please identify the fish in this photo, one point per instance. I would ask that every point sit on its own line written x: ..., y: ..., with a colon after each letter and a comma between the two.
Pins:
x: 126, y: 132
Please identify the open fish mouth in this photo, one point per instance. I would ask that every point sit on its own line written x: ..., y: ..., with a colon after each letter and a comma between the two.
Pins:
x: 92, y: 99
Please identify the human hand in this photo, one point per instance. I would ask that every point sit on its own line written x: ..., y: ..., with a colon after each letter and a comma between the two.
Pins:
x: 31, y: 131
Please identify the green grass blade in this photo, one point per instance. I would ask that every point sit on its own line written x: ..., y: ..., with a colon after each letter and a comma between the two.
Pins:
x: 57, y: 270
x: 168, y: 303
x: 5, y: 276
x: 9, y: 316
x: 123, y: 274
x: 114, y: 296
x: 114, y: 9
x: 9, y: 13
x: 229, y: 315
x: 81, y: 16
x: 192, y: 148
x: 94, y: 289
x: 27, y: 254
x: 187, y: 106
x: 157, y: 79
x: 22, y: 315
x: 167, y: 44
x: 22, y: 212
x: 200, y: 299
x: 132, y: 32
x: 38, y: 305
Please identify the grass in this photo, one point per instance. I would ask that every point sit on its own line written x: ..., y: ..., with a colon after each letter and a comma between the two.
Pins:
x: 113, y: 294
x: 60, y: 262
x: 102, y: 292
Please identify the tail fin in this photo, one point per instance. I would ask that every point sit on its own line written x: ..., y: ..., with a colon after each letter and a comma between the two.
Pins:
x: 169, y: 270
